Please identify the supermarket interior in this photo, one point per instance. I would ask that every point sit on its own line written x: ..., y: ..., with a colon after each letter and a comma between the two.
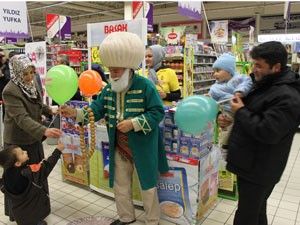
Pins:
x: 150, y: 112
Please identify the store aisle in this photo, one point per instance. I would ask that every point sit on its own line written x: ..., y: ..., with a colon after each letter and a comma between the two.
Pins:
x: 70, y: 201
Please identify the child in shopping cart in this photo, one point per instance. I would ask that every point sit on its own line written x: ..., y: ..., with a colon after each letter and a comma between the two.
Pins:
x: 228, y: 84
x: 23, y: 184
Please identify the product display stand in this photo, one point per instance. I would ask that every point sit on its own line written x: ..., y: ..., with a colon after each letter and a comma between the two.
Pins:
x: 74, y: 163
x: 203, y: 72
x: 190, y: 187
x: 174, y: 60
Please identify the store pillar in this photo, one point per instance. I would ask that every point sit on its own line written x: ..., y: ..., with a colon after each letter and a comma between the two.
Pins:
x: 257, y: 24
x: 127, y: 10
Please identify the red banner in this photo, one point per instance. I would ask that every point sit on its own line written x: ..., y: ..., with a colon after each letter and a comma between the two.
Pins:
x: 51, y: 19
x: 136, y: 7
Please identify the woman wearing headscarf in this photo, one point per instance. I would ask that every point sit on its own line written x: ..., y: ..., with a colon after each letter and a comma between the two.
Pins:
x: 164, y: 78
x: 23, y: 112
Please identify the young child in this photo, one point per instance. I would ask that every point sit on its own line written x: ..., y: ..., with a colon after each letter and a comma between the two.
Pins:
x: 24, y: 185
x: 228, y: 84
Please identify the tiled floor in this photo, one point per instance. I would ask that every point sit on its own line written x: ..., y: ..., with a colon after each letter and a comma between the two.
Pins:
x: 70, y: 201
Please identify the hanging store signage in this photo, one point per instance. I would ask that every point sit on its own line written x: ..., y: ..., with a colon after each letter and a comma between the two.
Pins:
x: 190, y: 9
x: 13, y: 20
x: 36, y: 51
x: 172, y: 35
x: 219, y: 31
x: 148, y: 12
x: 58, y: 26
x: 98, y: 31
x: 143, y: 10
x: 285, y: 38
x: 137, y: 11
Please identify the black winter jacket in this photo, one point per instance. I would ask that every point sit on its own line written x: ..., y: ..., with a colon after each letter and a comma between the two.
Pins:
x: 33, y: 204
x: 5, y: 78
x: 263, y: 130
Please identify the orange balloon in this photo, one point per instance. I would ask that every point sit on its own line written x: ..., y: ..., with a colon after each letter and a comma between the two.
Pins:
x: 90, y: 83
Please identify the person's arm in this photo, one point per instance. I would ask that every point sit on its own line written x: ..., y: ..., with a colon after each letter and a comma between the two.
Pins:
x: 15, y: 109
x: 154, y: 112
x: 175, y: 92
x: 46, y: 110
x: 217, y: 92
x: 173, y: 96
x: 244, y: 84
x: 272, y: 124
x: 98, y: 105
x: 80, y: 115
x: 39, y: 172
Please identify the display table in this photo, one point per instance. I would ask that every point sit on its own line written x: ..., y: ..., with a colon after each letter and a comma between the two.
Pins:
x: 185, y: 193
x: 191, y: 186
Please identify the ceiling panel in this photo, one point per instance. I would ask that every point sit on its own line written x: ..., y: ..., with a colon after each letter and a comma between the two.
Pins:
x: 83, y: 12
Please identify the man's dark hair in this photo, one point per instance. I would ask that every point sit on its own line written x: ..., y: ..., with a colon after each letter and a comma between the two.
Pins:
x: 272, y: 52
x: 8, y: 157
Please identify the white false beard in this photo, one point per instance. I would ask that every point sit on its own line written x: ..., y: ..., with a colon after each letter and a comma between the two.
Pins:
x: 120, y: 84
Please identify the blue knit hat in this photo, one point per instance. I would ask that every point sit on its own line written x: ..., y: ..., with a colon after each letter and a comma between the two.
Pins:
x: 225, y: 62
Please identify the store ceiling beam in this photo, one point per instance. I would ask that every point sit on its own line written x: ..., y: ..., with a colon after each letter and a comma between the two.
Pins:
x: 46, y: 6
x: 102, y: 7
x: 91, y: 9
x: 231, y: 10
x: 163, y: 12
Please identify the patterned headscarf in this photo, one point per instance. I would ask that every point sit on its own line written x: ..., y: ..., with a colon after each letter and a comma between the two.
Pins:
x: 17, y: 65
x: 158, y: 56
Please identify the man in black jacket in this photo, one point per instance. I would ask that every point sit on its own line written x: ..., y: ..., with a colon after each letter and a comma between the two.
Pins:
x: 264, y: 126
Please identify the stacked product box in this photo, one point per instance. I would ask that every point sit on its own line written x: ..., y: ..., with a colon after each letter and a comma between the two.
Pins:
x: 189, y: 189
x: 182, y: 146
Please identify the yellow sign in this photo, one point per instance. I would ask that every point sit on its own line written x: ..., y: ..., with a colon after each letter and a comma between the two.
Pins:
x: 96, y: 55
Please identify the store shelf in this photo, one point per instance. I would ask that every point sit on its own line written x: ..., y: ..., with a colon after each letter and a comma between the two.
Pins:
x: 178, y: 71
x: 81, y: 49
x: 174, y: 56
x: 202, y: 89
x: 203, y: 72
x: 203, y: 81
x: 203, y: 64
x: 205, y: 55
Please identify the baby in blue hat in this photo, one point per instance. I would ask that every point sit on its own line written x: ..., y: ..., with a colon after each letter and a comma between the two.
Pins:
x: 228, y: 83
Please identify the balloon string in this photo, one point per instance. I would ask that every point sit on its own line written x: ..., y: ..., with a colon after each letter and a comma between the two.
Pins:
x: 52, y: 120
x: 223, y: 101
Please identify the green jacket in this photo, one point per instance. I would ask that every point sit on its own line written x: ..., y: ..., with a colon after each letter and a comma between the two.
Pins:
x: 141, y: 101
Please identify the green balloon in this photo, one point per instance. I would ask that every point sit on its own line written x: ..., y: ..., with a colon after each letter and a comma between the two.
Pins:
x: 191, y: 117
x: 61, y: 83
x: 208, y: 103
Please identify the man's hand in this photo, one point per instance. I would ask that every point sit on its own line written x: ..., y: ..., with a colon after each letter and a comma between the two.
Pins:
x: 67, y: 111
x: 236, y: 104
x: 125, y: 126
x: 223, y: 121
x: 238, y: 94
x: 53, y: 133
